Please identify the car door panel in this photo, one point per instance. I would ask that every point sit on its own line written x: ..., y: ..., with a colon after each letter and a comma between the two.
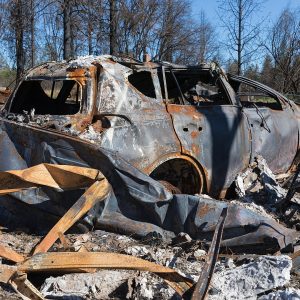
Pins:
x: 217, y: 136
x: 274, y: 126
x: 274, y: 136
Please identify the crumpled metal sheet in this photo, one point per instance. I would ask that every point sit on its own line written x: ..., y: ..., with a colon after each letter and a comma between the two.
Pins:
x: 138, y: 205
x: 60, y: 177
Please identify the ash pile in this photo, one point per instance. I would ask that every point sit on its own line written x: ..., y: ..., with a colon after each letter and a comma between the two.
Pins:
x: 127, y: 237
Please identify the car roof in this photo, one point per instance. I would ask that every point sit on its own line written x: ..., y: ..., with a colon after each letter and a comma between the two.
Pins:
x: 61, y: 68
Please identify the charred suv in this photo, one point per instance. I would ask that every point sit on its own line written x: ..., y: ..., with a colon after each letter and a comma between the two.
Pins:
x: 192, y: 127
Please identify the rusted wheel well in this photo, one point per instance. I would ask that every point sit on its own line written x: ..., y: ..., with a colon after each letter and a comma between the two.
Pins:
x: 181, y: 173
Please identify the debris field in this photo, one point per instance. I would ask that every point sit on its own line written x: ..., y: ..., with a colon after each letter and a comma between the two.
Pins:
x: 104, y: 264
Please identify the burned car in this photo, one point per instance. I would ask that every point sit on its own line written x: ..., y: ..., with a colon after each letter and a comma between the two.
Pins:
x: 191, y: 127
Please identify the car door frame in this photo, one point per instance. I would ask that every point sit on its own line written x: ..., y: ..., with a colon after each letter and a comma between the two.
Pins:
x: 190, y: 124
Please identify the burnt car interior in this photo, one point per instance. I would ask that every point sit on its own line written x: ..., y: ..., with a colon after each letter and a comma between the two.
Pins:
x: 198, y: 88
x: 53, y: 97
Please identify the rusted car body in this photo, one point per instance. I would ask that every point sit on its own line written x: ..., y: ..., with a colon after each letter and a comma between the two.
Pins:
x: 191, y: 126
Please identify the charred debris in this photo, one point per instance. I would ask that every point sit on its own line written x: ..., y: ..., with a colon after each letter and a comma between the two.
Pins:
x: 82, y: 218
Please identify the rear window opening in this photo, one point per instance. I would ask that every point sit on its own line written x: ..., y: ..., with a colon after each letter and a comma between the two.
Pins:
x: 143, y: 82
x: 53, y: 97
x: 251, y: 96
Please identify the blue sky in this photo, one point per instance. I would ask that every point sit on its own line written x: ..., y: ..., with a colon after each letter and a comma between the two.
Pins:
x: 271, y: 8
x: 269, y: 12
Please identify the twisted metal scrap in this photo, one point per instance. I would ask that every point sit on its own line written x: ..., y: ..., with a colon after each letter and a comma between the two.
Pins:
x: 70, y: 262
x: 60, y: 177
x: 69, y: 177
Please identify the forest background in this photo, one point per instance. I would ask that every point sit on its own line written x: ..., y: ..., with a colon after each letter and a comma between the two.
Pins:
x: 243, y: 38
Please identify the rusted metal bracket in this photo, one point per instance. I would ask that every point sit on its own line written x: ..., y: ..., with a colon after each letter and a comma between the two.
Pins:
x: 97, y: 192
x: 24, y: 288
x: 201, y: 288
x: 61, y: 177
x: 73, y: 261
x: 10, y: 254
x: 6, y: 272
x: 70, y: 262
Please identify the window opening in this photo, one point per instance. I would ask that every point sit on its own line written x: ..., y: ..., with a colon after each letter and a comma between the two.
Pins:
x: 252, y: 97
x: 54, y: 97
x: 190, y: 87
x: 143, y: 82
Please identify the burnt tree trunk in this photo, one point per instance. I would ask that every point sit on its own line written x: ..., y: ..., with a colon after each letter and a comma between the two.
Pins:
x: 239, y: 39
x: 112, y: 27
x: 19, y: 38
x: 32, y: 33
x: 166, y: 52
x: 90, y: 28
x: 90, y: 44
x: 68, y: 35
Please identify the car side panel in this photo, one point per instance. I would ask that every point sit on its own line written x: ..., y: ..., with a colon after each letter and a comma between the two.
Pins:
x: 144, y: 141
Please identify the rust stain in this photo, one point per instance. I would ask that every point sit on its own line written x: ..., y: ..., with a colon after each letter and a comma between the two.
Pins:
x: 196, y: 149
x: 4, y: 94
x: 203, y: 211
x: 81, y: 122
x: 74, y: 73
x: 98, y: 126
x: 195, y: 134
x: 188, y: 110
